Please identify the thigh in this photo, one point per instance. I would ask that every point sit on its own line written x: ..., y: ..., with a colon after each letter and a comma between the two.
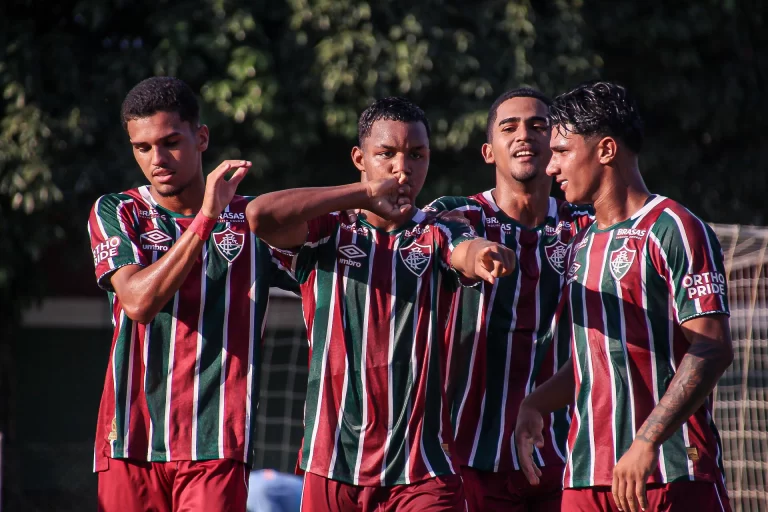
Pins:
x: 133, y: 486
x: 698, y: 496
x: 545, y: 497
x: 487, y: 491
x: 588, y: 499
x: 438, y: 494
x: 212, y: 485
x: 320, y: 494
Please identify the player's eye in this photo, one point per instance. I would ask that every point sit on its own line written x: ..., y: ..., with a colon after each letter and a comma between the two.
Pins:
x: 417, y: 156
x: 141, y: 149
x: 386, y: 154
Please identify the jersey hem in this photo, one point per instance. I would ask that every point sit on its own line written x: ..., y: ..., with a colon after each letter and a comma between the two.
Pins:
x: 704, y: 313
x: 376, y: 482
x: 583, y: 484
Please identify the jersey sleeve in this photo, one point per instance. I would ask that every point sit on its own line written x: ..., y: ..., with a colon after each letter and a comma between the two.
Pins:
x: 688, y: 256
x: 114, y: 238
x: 452, y: 234
x: 299, y: 261
x: 446, y: 207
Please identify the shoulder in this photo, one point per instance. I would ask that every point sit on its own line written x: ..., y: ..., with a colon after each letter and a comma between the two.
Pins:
x: 108, y: 204
x: 450, y: 203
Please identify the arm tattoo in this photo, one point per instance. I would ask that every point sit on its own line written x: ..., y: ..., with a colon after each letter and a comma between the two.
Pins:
x: 694, y: 380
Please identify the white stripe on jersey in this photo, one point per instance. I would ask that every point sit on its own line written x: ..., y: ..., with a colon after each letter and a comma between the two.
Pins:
x: 324, y: 364
x: 198, y: 353
x: 344, y: 387
x: 129, y: 390
x: 146, y: 360
x: 171, y: 356
x: 251, y: 332
x: 590, y: 413
x: 363, y: 365
x: 607, y: 343
x: 688, y: 252
x: 390, y: 357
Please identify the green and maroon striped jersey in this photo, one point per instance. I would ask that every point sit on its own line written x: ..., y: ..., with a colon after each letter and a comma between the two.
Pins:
x: 185, y: 385
x: 498, y: 343
x: 629, y: 289
x: 375, y: 412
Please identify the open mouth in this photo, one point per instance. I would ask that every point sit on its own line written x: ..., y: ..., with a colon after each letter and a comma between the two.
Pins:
x: 523, y: 153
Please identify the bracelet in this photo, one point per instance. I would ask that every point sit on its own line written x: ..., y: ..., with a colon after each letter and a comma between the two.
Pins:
x: 202, y: 226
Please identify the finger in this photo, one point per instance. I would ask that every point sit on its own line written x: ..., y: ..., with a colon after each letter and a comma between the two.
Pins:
x: 483, y: 274
x: 525, y: 450
x: 615, y: 489
x: 630, y: 497
x: 402, y: 178
x: 403, y: 200
x: 238, y: 176
x: 621, y: 490
x: 642, y: 499
x: 406, y: 209
x: 538, y: 440
x: 404, y: 190
x: 228, y: 165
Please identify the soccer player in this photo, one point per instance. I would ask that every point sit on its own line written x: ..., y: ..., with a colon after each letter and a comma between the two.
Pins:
x: 646, y: 297
x: 497, y: 336
x: 377, y: 430
x: 176, y: 421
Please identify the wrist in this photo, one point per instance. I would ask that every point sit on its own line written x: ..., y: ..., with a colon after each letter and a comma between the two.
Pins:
x: 203, y: 225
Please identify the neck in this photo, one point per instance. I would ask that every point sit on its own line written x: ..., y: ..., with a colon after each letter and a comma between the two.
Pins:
x: 621, y: 195
x: 385, y: 224
x: 527, y: 203
x: 187, y: 202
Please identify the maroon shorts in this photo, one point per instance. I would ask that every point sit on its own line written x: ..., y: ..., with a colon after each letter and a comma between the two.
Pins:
x: 510, y: 490
x: 182, y: 486
x: 439, y: 494
x: 698, y: 496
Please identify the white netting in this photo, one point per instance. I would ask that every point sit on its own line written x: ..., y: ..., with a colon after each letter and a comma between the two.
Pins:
x: 741, y: 398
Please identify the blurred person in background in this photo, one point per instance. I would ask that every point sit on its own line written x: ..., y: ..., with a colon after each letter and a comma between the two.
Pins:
x: 272, y: 491
x: 377, y: 432
x: 497, y: 333
x: 188, y: 286
x: 646, y: 310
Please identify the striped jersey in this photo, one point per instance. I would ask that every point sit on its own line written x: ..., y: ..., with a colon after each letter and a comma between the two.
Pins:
x: 185, y: 385
x: 629, y: 289
x: 498, y: 343
x: 375, y: 413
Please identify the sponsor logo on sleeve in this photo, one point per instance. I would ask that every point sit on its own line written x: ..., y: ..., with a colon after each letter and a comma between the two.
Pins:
x: 155, y: 240
x: 106, y: 249
x: 229, y: 243
x: 621, y: 261
x: 416, y: 257
x: 706, y: 283
x: 556, y: 255
x: 350, y: 253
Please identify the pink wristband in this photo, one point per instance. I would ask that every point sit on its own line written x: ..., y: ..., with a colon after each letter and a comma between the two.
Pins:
x: 202, y: 226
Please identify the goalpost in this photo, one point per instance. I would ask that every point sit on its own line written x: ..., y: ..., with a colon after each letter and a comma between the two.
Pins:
x: 741, y: 397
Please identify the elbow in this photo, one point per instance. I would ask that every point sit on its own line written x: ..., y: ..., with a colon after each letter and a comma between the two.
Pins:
x: 139, y: 312
x: 258, y: 215
x: 727, y: 356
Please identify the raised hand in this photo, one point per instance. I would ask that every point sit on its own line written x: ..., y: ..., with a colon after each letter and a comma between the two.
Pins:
x: 494, y: 261
x: 389, y: 198
x: 530, y: 424
x: 218, y: 190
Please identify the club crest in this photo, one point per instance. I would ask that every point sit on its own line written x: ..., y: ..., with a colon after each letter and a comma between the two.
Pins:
x: 416, y: 257
x: 557, y: 254
x: 620, y: 261
x: 229, y: 243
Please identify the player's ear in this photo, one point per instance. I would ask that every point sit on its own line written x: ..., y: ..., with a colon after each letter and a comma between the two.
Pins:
x: 606, y: 150
x: 487, y: 151
x: 203, y: 136
x: 357, y: 158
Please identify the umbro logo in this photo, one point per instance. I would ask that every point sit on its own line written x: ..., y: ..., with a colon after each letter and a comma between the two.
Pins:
x: 351, y: 253
x: 155, y: 240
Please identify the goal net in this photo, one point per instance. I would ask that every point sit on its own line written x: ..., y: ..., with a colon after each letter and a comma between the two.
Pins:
x: 741, y: 398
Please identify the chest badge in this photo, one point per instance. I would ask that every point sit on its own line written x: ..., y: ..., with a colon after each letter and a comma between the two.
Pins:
x: 556, y: 255
x: 229, y: 244
x: 416, y: 257
x: 620, y: 262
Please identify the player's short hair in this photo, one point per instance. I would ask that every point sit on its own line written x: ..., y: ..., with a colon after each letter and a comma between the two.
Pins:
x: 599, y: 108
x: 160, y: 94
x: 520, y: 92
x: 392, y: 108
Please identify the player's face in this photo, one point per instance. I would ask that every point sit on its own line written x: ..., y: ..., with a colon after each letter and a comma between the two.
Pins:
x: 397, y: 148
x: 168, y: 150
x: 574, y: 165
x: 520, y: 144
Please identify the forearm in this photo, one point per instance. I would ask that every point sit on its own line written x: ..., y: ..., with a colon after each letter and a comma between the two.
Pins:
x: 277, y: 210
x: 555, y: 393
x: 144, y: 293
x: 693, y: 382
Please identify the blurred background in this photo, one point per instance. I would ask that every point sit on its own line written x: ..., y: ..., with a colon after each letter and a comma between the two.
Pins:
x: 281, y: 83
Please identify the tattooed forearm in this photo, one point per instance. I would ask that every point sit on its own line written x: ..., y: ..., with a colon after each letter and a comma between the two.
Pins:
x: 695, y: 379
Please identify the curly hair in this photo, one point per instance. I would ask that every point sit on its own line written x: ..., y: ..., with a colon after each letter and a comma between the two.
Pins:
x: 160, y: 94
x: 390, y: 109
x: 599, y: 109
x: 520, y: 92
